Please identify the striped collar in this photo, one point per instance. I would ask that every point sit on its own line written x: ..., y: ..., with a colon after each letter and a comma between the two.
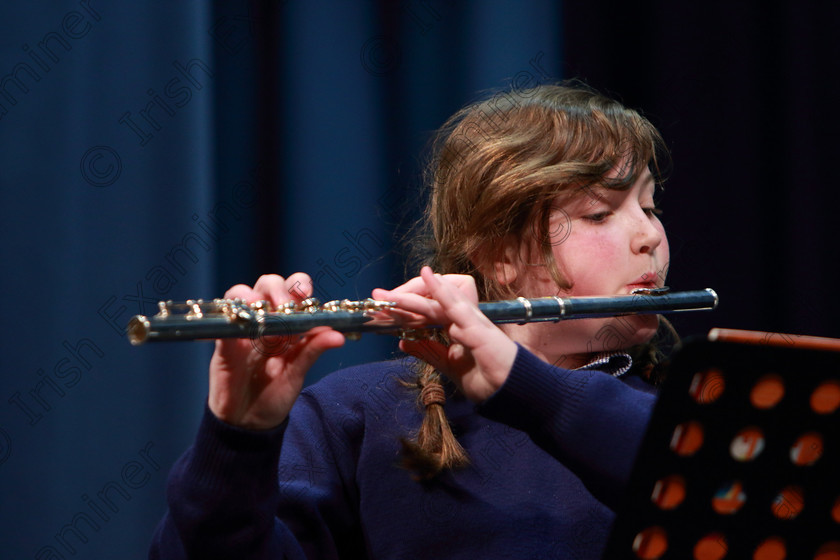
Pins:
x: 613, y: 363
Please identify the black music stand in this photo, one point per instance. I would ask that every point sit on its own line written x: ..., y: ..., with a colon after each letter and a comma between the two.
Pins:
x: 742, y: 455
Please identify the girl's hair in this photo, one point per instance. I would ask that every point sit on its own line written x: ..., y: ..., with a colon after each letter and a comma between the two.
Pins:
x: 498, y: 167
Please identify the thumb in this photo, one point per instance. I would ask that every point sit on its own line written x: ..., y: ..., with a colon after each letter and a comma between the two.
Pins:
x: 307, y: 351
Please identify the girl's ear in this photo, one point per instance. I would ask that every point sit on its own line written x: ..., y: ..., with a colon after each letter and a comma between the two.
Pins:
x: 506, y: 265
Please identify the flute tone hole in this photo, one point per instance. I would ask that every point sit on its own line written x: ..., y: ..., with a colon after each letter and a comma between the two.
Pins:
x: 713, y: 546
x: 768, y: 391
x: 772, y: 548
x: 826, y: 397
x: 707, y: 386
x: 669, y: 492
x: 807, y: 449
x: 687, y: 438
x: 788, y: 504
x: 828, y: 551
x: 747, y: 444
x: 729, y: 498
x: 650, y: 543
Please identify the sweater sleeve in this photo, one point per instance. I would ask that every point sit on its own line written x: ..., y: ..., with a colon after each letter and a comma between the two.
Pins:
x: 259, y: 495
x: 591, y: 421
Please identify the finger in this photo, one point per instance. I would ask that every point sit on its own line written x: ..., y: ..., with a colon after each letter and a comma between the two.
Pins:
x: 240, y: 291
x: 228, y: 347
x: 418, y: 285
x: 400, y: 317
x: 413, y: 307
x: 317, y: 340
x: 380, y: 293
x: 415, y: 285
x: 237, y: 350
x: 419, y: 307
x: 454, y: 303
x: 272, y: 287
x: 310, y: 347
x: 299, y: 286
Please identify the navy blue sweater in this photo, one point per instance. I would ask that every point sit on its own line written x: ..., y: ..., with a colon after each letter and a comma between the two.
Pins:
x: 550, y: 454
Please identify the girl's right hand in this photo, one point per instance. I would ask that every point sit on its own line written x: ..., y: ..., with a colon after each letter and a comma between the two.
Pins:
x: 254, y: 382
x: 480, y: 355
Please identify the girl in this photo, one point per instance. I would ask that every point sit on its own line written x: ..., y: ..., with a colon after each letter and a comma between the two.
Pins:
x: 523, y: 435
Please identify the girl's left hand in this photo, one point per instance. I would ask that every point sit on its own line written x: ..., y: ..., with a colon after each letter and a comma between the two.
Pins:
x: 480, y: 356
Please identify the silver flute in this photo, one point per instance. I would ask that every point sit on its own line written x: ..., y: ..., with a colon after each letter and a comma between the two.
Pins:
x: 234, y: 318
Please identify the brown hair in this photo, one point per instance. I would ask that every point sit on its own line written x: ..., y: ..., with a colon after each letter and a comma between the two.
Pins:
x: 497, y: 168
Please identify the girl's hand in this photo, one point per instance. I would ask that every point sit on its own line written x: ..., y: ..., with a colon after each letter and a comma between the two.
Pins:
x: 253, y: 383
x: 480, y: 356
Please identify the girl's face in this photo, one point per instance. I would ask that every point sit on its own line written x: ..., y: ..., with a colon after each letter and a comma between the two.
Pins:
x: 606, y: 243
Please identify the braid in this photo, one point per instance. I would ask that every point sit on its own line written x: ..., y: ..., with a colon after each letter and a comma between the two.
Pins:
x: 434, y: 448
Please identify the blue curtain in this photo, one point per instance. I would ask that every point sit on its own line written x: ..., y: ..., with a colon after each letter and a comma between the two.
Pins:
x: 170, y: 150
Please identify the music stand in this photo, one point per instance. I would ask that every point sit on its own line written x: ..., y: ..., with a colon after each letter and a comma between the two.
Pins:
x: 742, y: 455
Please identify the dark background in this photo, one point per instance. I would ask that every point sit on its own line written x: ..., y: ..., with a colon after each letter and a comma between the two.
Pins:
x: 170, y: 150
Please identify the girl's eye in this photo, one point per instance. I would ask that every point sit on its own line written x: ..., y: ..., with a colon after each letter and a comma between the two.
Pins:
x: 597, y: 218
x: 652, y: 211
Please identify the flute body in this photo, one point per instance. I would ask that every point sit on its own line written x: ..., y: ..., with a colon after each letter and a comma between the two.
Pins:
x: 220, y: 318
